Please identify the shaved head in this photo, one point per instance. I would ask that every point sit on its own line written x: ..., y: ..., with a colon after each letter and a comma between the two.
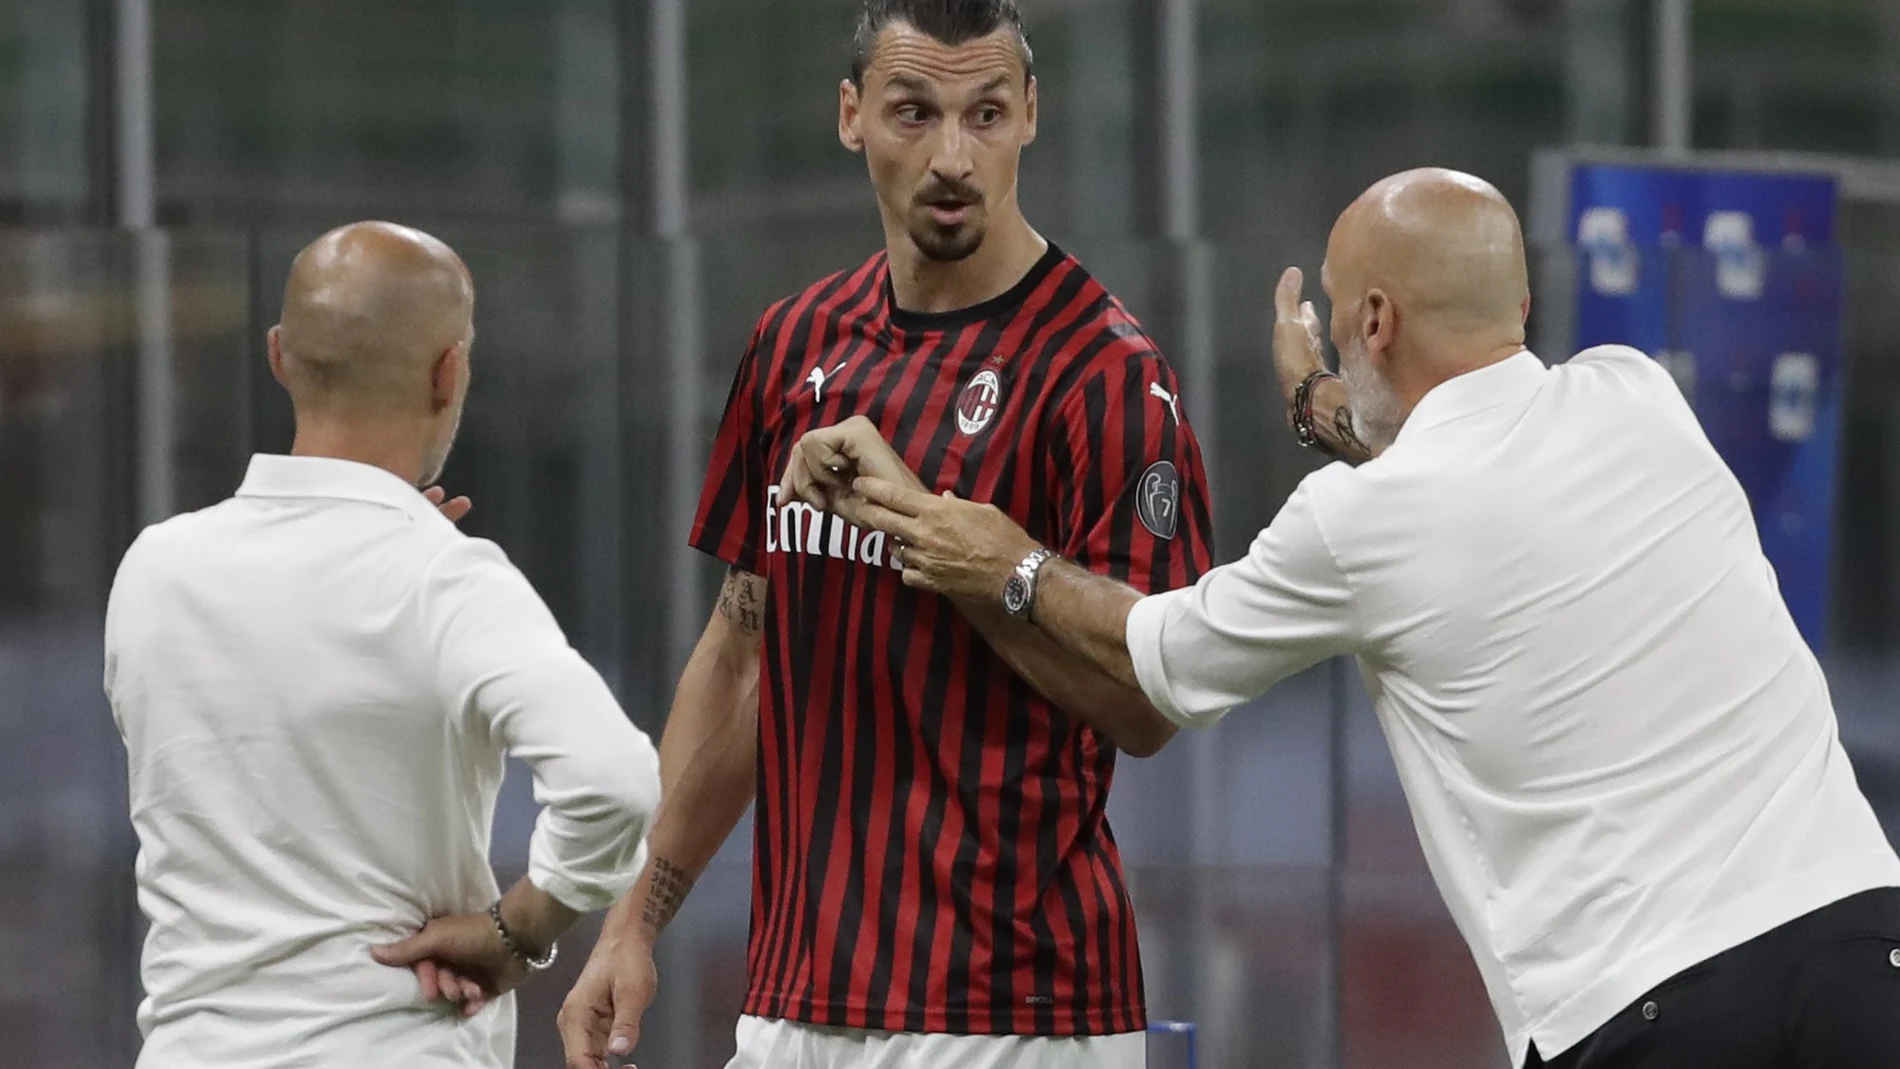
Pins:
x: 373, y: 347
x: 1444, y: 245
x: 369, y: 310
x: 1428, y: 280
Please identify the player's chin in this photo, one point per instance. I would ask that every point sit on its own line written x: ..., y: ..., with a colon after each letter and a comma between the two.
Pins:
x: 946, y: 244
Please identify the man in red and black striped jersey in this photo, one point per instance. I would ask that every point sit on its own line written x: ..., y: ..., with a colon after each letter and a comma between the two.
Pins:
x: 935, y: 882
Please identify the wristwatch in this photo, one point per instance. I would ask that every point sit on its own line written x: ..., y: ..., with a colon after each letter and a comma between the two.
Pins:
x: 1019, y: 590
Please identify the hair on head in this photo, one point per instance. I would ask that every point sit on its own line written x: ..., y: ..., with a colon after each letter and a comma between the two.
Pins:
x: 951, y: 21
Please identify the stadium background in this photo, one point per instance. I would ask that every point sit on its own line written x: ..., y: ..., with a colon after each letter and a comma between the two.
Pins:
x: 631, y: 183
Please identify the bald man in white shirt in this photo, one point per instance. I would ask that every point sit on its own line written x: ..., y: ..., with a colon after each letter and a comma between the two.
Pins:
x: 318, y: 682
x: 1620, y: 755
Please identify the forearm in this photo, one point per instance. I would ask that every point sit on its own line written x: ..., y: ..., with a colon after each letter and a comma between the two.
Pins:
x: 1112, y: 705
x: 1087, y: 615
x: 534, y: 917
x: 708, y: 769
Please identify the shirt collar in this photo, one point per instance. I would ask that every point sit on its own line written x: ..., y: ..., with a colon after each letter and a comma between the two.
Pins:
x: 273, y: 475
x: 1475, y: 391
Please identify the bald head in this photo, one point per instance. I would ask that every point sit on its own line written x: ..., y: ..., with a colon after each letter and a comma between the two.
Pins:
x: 369, y: 312
x: 1444, y: 247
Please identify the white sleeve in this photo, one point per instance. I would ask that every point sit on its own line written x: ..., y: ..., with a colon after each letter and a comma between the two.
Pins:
x: 1202, y: 650
x: 503, y: 663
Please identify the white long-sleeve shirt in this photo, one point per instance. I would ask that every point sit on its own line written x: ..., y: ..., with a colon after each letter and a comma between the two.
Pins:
x: 1620, y: 755
x: 318, y: 682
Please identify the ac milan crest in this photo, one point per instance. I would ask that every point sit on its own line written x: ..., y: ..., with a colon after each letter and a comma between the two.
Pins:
x: 978, y: 402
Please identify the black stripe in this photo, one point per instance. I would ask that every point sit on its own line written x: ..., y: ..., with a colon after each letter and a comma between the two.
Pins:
x: 728, y: 504
x: 1046, y: 960
x: 1114, y: 907
x: 1123, y: 515
x: 928, y: 617
x: 1127, y: 968
x: 895, y: 620
x: 857, y: 819
x: 1018, y: 728
x: 1135, y: 409
x: 1094, y: 412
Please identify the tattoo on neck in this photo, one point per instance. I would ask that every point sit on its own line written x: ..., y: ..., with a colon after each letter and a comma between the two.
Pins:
x: 1350, y: 447
x: 668, y: 893
x: 742, y: 601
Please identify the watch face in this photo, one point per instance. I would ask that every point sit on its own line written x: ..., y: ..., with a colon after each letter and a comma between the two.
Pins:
x: 1015, y: 595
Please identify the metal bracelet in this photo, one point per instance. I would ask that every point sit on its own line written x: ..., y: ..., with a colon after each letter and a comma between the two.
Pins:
x: 1303, y: 410
x: 508, y: 940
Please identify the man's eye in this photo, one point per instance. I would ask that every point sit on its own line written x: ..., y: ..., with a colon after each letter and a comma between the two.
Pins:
x: 989, y: 116
x: 910, y: 113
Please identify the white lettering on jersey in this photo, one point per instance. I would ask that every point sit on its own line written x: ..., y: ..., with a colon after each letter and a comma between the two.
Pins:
x: 796, y: 527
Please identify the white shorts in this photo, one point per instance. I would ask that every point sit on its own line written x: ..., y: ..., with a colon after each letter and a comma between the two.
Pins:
x: 776, y: 1044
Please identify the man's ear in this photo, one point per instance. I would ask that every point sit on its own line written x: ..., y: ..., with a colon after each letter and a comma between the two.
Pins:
x: 850, y: 115
x: 1029, y: 111
x: 1378, y: 321
x: 274, y: 345
x: 445, y: 377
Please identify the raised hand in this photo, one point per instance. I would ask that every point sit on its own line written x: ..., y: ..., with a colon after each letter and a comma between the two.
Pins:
x: 1298, y: 343
x: 453, y: 508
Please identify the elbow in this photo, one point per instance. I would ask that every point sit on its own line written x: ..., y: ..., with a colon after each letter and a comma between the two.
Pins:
x: 1147, y: 735
x: 626, y: 789
x: 638, y: 791
x: 638, y: 799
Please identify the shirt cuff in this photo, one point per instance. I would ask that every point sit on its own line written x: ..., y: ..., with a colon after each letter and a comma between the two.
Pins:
x: 587, y: 897
x: 1144, y: 636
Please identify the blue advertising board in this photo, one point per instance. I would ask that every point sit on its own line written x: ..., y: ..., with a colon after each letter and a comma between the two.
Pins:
x: 1732, y: 281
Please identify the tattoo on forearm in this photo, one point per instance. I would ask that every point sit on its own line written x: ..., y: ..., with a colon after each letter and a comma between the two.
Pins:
x: 742, y: 600
x: 1349, y: 446
x: 667, y: 894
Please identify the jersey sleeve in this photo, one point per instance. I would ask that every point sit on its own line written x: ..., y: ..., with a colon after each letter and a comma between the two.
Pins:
x: 1131, y: 496
x: 730, y: 521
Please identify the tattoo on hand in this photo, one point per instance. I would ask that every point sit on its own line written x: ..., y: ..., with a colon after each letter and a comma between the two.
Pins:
x: 1350, y: 447
x: 668, y: 893
x: 742, y: 600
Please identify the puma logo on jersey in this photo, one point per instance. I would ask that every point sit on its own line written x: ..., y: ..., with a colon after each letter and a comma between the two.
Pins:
x: 817, y: 379
x: 1155, y: 390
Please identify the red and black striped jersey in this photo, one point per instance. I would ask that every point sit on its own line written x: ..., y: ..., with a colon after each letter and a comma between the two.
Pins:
x: 931, y: 846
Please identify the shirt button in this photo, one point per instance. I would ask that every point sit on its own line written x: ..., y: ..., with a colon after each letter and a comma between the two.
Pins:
x: 1651, y: 1011
x: 1893, y: 958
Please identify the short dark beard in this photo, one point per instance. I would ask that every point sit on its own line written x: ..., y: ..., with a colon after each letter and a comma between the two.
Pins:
x: 946, y: 246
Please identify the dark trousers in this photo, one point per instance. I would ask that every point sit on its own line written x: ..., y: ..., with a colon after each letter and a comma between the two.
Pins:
x: 1820, y: 992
